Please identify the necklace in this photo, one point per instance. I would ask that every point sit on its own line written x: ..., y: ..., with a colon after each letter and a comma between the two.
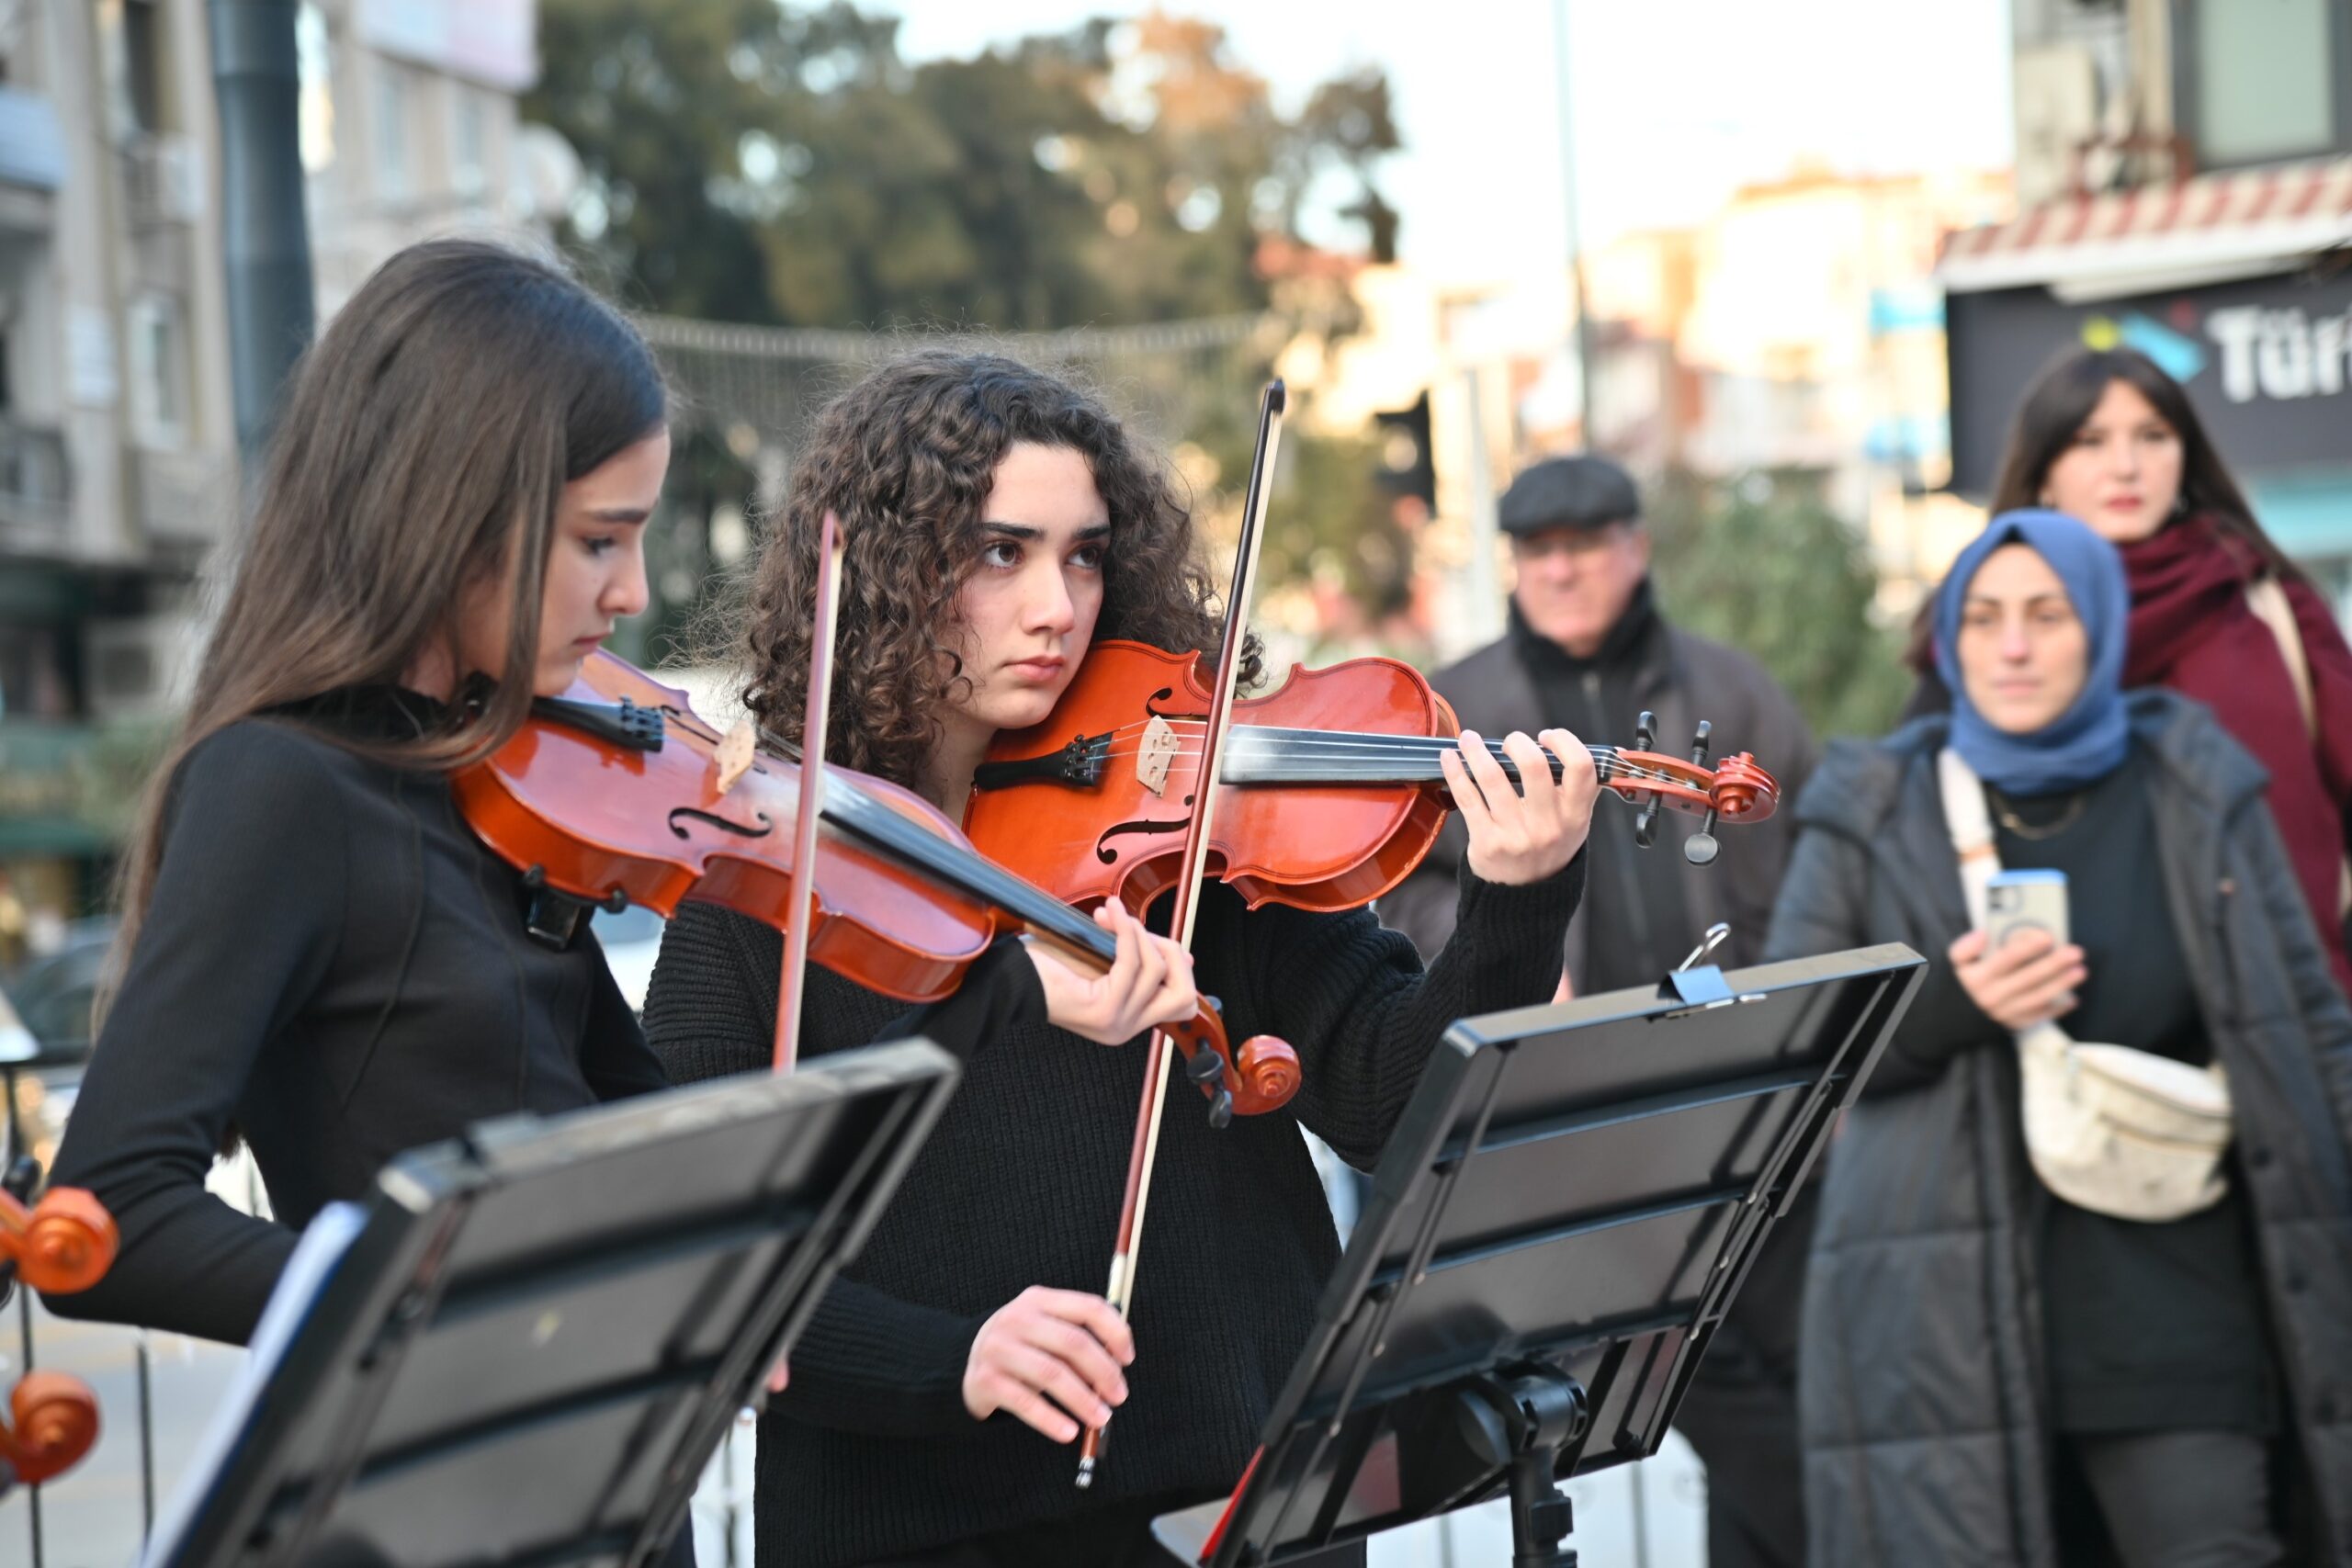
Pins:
x: 2030, y: 833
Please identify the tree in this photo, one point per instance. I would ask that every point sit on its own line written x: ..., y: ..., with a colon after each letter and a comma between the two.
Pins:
x: 753, y: 161
x: 1761, y: 563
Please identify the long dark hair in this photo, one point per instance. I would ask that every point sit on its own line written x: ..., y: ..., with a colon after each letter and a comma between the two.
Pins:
x: 906, y: 458
x: 2057, y: 403
x: 2060, y: 401
x: 422, y: 447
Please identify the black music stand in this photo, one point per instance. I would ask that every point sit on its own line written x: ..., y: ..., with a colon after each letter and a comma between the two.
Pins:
x: 539, y: 1332
x: 1567, y: 1209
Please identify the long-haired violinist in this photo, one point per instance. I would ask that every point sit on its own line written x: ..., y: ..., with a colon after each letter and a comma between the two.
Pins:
x: 998, y: 524
x: 317, y: 954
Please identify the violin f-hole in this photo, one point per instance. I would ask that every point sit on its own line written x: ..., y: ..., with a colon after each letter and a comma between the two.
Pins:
x: 697, y: 815
x: 1109, y: 856
x: 1152, y: 709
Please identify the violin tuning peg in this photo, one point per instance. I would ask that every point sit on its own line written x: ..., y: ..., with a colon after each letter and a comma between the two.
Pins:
x: 1646, y: 731
x: 1205, y: 1066
x: 1699, y: 744
x: 1646, y: 826
x: 1700, y: 847
x: 1221, y: 1109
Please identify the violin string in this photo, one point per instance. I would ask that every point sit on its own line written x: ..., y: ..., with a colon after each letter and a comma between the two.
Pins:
x: 1325, y: 761
x: 1368, y: 772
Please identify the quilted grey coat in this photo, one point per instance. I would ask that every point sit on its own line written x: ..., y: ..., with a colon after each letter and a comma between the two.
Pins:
x: 1925, y: 1430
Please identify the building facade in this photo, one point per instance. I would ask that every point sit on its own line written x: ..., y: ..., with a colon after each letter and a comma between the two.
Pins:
x: 2187, y: 165
x: 117, y: 445
x: 118, y: 479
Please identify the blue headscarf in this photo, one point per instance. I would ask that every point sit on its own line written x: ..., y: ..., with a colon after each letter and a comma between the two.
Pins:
x: 2088, y: 740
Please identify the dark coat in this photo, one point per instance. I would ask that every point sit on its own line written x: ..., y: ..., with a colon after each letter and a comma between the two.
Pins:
x: 1924, y: 1410
x: 1695, y: 679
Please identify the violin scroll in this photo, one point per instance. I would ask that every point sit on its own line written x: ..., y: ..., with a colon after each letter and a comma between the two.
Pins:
x: 1261, y: 1076
x: 1737, y: 789
x: 1271, y: 1069
x: 62, y: 1243
x: 53, y: 1421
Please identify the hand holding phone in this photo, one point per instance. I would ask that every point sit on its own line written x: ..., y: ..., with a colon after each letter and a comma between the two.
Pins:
x: 2020, y: 968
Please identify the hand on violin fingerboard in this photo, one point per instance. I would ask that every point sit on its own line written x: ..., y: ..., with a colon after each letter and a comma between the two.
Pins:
x: 1150, y: 983
x: 1524, y: 832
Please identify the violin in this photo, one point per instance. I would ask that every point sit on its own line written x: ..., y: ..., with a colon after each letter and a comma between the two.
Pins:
x: 64, y: 1243
x: 618, y: 793
x: 1329, y: 792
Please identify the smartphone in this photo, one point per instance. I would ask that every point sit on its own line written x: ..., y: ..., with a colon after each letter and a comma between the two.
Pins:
x: 2019, y: 901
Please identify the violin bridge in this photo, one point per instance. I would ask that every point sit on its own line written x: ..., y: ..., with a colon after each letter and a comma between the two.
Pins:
x: 733, y: 758
x: 1155, y: 754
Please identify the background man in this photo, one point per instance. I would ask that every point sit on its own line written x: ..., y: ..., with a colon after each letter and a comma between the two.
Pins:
x: 1588, y: 650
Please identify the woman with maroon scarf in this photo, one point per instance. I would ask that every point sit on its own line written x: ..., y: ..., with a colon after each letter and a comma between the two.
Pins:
x: 2106, y: 436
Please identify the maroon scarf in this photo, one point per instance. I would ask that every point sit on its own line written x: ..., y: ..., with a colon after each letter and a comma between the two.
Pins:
x: 2193, y: 631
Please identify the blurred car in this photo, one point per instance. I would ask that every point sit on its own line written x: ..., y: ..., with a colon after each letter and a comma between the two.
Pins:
x: 631, y: 940
x: 52, y: 995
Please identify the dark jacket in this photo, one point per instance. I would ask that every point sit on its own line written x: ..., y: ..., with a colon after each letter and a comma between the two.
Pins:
x: 1923, y: 1408
x: 1687, y: 679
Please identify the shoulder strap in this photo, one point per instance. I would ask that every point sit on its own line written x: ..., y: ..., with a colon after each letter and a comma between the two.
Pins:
x: 2267, y: 597
x: 1971, y: 829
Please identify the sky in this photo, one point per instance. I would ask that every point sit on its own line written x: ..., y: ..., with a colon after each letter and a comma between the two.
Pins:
x: 1677, y: 102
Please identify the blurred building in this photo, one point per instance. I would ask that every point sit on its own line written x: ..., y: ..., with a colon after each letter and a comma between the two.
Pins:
x: 2185, y: 167
x: 118, y: 451
x: 410, y: 128
x: 1798, y: 328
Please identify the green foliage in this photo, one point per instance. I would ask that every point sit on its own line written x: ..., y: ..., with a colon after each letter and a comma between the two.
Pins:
x: 1761, y: 563
x: 757, y: 161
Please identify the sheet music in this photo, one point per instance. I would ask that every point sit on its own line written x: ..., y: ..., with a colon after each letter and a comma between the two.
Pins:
x: 322, y: 1246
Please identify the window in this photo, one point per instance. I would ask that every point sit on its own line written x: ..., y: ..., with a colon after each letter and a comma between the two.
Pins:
x: 392, y: 96
x: 158, y: 371
x: 469, y: 160
x: 142, y: 38
x: 2260, y: 80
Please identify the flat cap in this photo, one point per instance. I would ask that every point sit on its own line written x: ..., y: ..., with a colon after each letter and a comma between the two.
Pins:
x: 1582, y: 492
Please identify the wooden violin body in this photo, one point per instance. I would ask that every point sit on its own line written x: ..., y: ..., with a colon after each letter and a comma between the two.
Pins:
x: 1331, y: 790
x: 1107, y: 821
x: 615, y: 793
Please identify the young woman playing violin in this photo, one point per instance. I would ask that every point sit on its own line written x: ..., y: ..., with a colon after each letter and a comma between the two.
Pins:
x: 316, y: 951
x: 997, y: 522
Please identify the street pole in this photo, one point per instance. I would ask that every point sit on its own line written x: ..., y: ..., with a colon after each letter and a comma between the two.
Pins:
x: 266, y: 240
x: 1565, y: 97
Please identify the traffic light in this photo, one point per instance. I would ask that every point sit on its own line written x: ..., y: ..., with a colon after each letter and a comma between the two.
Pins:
x: 1406, y: 466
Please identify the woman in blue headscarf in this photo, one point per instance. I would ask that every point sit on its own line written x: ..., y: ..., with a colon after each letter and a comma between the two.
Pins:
x: 1989, y: 1374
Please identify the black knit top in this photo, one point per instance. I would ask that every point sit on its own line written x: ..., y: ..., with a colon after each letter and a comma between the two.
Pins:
x: 870, y: 1452
x: 332, y: 961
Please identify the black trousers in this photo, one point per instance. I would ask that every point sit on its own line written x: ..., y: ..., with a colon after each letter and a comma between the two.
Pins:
x: 1741, y: 1411
x: 2181, y: 1499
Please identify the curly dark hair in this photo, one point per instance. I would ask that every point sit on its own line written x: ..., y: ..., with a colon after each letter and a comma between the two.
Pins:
x: 906, y: 460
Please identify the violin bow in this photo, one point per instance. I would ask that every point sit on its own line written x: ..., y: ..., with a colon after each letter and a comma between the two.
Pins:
x: 791, y: 978
x: 1191, y: 874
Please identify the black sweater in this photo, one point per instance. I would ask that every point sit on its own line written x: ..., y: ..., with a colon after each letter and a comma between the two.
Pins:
x: 870, y: 1451
x: 336, y: 964
x: 2149, y: 1326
